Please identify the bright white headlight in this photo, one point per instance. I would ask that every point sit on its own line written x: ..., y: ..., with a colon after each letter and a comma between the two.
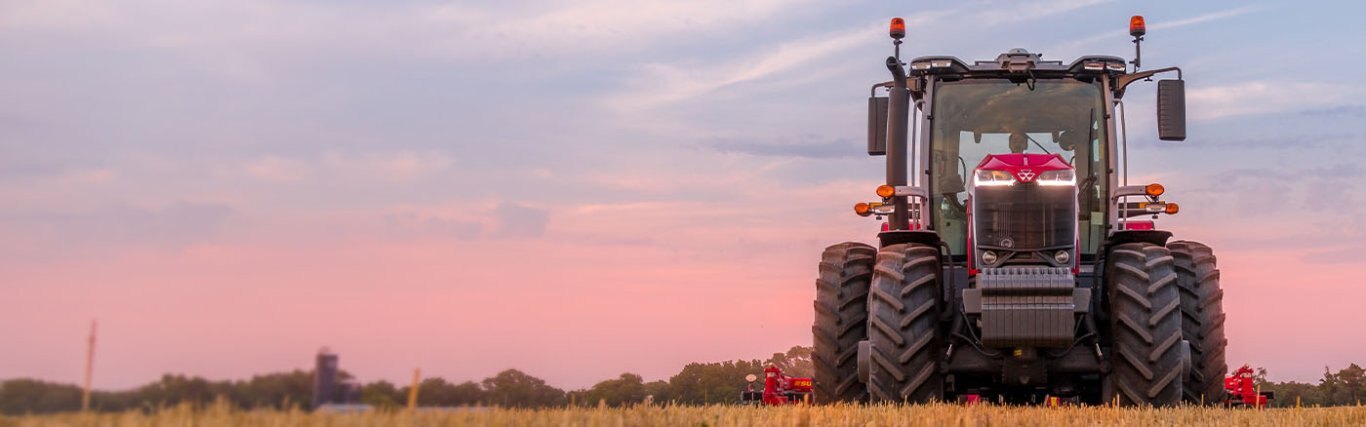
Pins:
x: 1061, y: 257
x: 988, y: 257
x: 991, y: 178
x: 1057, y: 177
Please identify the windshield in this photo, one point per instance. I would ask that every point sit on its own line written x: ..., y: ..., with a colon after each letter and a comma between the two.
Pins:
x: 976, y: 117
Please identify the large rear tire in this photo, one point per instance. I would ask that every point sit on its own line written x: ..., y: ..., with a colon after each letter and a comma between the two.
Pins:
x: 1145, y: 322
x: 904, y: 314
x: 1202, y: 320
x: 841, y: 321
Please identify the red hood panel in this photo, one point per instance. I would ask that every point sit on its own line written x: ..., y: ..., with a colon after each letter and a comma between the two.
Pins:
x: 1024, y: 167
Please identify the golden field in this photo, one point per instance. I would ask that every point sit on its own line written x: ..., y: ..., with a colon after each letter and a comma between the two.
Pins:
x: 717, y: 415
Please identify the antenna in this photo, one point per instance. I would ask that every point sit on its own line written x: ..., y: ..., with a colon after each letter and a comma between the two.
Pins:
x: 89, y: 369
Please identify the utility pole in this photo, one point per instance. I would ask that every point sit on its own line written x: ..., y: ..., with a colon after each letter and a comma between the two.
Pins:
x: 89, y: 369
x: 412, y: 391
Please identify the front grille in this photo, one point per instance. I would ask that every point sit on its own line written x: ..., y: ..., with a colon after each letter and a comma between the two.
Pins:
x: 1025, y: 217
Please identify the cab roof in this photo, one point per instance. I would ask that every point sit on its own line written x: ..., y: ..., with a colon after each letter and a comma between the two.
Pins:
x: 1018, y: 62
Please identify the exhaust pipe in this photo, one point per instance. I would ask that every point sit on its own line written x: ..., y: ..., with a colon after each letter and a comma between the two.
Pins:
x: 898, y: 116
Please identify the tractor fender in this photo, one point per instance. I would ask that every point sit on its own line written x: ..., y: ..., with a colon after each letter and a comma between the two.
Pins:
x: 897, y: 237
x: 1156, y: 237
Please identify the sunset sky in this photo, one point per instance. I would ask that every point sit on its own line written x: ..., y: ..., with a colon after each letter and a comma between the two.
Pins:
x: 581, y: 189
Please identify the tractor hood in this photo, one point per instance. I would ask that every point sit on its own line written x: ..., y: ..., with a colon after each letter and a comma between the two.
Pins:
x: 1024, y: 167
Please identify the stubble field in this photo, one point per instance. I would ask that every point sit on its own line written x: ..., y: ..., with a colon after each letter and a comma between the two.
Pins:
x: 718, y: 415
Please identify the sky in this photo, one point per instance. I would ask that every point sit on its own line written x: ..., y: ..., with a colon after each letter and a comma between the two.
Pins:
x: 580, y: 189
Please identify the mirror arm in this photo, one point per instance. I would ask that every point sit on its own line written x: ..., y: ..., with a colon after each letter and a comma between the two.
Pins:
x: 1124, y: 80
x: 873, y: 90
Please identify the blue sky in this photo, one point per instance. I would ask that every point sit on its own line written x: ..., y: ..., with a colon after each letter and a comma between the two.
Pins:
x: 410, y: 170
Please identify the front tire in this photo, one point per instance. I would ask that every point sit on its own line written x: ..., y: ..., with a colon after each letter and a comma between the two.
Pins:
x: 1145, y: 323
x: 1202, y: 320
x: 904, y: 314
x: 841, y: 321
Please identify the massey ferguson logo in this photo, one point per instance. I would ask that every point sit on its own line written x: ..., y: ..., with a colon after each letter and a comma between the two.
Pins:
x: 1025, y: 175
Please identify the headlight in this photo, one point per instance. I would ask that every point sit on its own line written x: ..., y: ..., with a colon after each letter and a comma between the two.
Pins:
x: 988, y: 258
x: 1061, y: 257
x: 1057, y: 177
x: 991, y: 178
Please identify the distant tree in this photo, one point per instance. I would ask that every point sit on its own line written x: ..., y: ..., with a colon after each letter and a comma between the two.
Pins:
x: 466, y: 394
x: 25, y: 396
x: 659, y: 391
x: 513, y: 388
x: 1330, y: 386
x: 1352, y: 380
x: 627, y: 389
x: 382, y: 395
x: 795, y: 363
x: 718, y: 382
x: 175, y: 389
x: 276, y: 391
x: 439, y: 392
x: 433, y: 392
x: 1287, y: 393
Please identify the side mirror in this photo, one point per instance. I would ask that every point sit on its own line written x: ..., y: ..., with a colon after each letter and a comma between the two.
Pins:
x: 1171, y: 110
x: 877, y: 126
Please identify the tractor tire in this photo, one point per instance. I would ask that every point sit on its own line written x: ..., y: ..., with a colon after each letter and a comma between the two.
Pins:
x: 904, y: 305
x: 1147, y: 358
x: 1202, y: 320
x: 841, y: 321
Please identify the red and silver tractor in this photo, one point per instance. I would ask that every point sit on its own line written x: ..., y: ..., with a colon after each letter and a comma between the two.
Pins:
x: 1243, y: 391
x: 779, y: 389
x: 1016, y: 262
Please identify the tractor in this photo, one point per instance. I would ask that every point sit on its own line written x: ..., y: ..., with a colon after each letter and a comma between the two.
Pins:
x: 1016, y: 262
x: 779, y: 389
x: 1243, y: 390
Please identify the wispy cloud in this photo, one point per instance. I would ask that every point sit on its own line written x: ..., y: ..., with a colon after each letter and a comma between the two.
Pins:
x: 807, y: 147
x: 1262, y: 97
x: 398, y: 167
x: 1028, y: 11
x: 660, y: 83
x: 1120, y: 33
x: 276, y: 169
x: 243, y: 30
x: 1208, y: 17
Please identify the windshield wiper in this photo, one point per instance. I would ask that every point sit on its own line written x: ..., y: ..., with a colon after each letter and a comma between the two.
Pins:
x: 1036, y: 143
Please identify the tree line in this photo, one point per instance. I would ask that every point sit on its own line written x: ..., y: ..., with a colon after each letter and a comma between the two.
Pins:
x: 1347, y: 386
x: 696, y: 383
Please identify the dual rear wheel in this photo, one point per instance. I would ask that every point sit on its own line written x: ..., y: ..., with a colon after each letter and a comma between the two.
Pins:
x: 1202, y: 320
x: 889, y: 297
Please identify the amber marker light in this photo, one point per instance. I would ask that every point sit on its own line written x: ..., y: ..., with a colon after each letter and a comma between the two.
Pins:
x: 1173, y: 208
x: 885, y: 191
x: 1154, y: 189
x: 862, y: 209
x: 1136, y: 26
x: 898, y: 29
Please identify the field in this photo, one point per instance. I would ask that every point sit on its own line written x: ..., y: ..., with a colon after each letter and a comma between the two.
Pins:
x: 888, y: 415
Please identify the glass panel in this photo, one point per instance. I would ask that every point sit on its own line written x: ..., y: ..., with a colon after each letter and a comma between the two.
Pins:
x: 976, y: 117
